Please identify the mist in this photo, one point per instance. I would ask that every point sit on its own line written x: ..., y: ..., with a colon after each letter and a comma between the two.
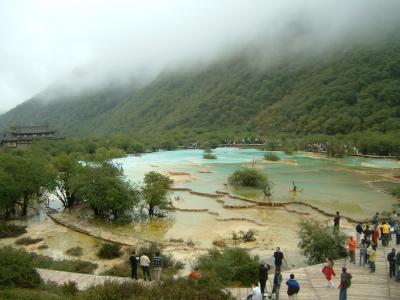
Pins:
x: 77, y: 45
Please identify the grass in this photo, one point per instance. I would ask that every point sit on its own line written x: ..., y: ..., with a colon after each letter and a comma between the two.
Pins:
x: 11, y: 230
x: 27, y: 241
x: 76, y: 266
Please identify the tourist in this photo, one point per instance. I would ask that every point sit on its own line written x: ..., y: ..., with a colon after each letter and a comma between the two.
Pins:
x: 157, y: 265
x: 385, y: 234
x: 397, y: 232
x: 345, y: 283
x: 336, y: 223
x: 263, y: 276
x: 277, y: 283
x: 359, y: 231
x: 375, y: 219
x: 329, y: 273
x: 293, y: 288
x: 351, y: 243
x: 391, y: 258
x: 367, y: 233
x: 195, y: 274
x: 369, y: 248
x: 278, y: 256
x: 397, y: 271
x: 393, y: 219
x: 256, y: 293
x: 363, y: 252
x: 372, y: 259
x: 144, y: 262
x: 375, y: 235
x: 134, y: 260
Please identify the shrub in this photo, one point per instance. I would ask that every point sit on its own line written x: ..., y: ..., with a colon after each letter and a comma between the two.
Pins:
x: 209, y: 156
x: 248, y: 177
x: 74, y: 251
x: 27, y: 241
x: 318, y: 241
x: 11, y: 230
x: 109, y: 251
x: 248, y: 236
x: 231, y: 266
x: 69, y: 288
x: 271, y: 156
x: 17, y: 269
x: 151, y: 250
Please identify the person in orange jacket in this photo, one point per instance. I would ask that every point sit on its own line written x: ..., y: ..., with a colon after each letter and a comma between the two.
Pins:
x: 351, y: 243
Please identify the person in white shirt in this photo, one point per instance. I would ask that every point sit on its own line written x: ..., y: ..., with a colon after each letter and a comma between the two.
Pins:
x: 256, y: 293
x: 144, y: 263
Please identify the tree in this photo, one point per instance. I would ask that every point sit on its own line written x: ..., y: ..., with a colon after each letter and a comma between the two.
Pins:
x: 155, y: 192
x: 104, y: 189
x: 30, y: 175
x: 67, y: 167
x: 318, y: 241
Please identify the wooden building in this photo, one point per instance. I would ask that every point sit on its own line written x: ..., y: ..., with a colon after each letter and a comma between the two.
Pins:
x: 22, y: 136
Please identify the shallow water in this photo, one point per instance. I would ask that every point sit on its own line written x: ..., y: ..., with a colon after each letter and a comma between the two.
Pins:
x: 331, y: 184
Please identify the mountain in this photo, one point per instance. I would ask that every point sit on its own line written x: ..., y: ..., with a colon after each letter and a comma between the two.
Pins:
x: 342, y: 92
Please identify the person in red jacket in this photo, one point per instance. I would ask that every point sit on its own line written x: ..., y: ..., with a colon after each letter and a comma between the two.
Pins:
x: 329, y: 273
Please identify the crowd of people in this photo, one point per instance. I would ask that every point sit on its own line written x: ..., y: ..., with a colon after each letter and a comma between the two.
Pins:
x: 366, y: 241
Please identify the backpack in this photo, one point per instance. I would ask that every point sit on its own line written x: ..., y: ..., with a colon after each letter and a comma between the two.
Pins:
x: 347, y: 280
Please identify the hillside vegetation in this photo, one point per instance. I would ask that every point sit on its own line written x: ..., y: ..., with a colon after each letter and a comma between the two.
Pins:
x: 346, y: 92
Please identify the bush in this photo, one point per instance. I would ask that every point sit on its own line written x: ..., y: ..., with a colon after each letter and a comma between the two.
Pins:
x: 248, y: 177
x: 151, y: 251
x: 209, y: 156
x: 11, y: 230
x: 318, y: 241
x: 247, y: 236
x: 69, y: 288
x: 231, y: 266
x: 27, y: 241
x: 17, y: 269
x: 271, y: 156
x: 109, y: 251
x: 74, y: 251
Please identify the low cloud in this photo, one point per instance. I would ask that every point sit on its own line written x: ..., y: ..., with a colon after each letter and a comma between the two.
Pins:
x: 80, y: 44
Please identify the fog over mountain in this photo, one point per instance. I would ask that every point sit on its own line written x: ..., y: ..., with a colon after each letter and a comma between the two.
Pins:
x: 75, y: 45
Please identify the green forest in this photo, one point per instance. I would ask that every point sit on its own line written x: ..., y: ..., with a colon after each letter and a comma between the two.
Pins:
x: 351, y: 94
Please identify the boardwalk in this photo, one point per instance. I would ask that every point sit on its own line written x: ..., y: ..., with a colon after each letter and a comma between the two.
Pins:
x: 364, y: 286
x: 313, y: 284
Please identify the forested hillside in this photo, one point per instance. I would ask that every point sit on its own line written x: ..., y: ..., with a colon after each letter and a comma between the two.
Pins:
x: 344, y: 92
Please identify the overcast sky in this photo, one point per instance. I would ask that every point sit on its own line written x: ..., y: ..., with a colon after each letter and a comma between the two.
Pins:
x: 88, y: 42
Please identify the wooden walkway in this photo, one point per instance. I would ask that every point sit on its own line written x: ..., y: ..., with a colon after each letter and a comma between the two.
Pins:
x: 365, y: 285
